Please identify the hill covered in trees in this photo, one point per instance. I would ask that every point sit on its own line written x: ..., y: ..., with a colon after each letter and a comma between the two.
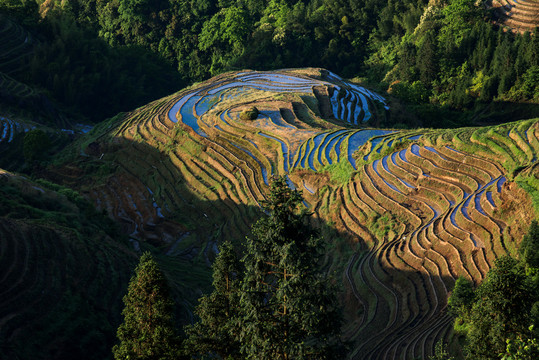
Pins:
x: 440, y: 56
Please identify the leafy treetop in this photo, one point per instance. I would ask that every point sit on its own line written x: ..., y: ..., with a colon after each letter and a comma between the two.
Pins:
x: 148, y: 331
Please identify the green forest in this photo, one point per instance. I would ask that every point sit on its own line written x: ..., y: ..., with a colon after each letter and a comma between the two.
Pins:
x: 448, y: 59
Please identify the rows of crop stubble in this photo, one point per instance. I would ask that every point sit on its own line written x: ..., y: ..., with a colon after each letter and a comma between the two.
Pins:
x: 414, y: 210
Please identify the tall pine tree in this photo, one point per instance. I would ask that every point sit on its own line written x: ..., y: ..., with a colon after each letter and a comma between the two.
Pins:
x: 217, y: 330
x: 288, y: 309
x: 148, y: 331
x: 426, y: 60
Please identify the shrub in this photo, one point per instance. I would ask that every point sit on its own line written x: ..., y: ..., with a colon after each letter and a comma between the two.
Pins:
x: 249, y: 114
x: 35, y: 145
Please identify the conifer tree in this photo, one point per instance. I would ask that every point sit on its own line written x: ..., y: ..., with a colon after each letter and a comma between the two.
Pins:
x: 216, y: 332
x: 148, y: 331
x: 426, y: 59
x: 288, y: 309
x: 529, y: 248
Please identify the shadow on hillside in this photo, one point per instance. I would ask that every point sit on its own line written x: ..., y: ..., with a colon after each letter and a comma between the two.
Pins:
x: 504, y: 111
x: 396, y: 309
x: 146, y: 191
x: 64, y: 273
x: 162, y: 211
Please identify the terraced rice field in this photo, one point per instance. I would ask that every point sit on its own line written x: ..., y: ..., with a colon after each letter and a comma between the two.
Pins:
x: 9, y: 128
x: 210, y: 161
x: 52, y: 277
x: 414, y: 209
x: 12, y: 87
x: 16, y: 44
x: 448, y: 214
x: 518, y: 15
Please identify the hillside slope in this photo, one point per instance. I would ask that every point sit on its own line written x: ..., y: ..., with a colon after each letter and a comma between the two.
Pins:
x: 16, y: 47
x: 56, y: 255
x: 404, y: 212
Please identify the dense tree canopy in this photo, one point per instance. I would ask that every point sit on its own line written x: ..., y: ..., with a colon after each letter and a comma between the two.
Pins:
x: 277, y: 305
x: 288, y: 311
x: 148, y: 331
x: 499, y: 311
x: 217, y: 330
x: 448, y: 48
x: 499, y: 318
x: 36, y: 144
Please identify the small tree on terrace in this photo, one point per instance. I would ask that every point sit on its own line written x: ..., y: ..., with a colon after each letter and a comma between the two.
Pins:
x: 288, y: 310
x: 148, y: 331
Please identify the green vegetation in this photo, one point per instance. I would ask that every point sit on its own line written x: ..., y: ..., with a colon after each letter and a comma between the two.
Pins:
x: 437, y: 57
x: 287, y: 308
x: 276, y: 293
x: 147, y: 331
x: 451, y: 57
x: 279, y: 306
x: 82, y: 75
x: 58, y: 253
x: 36, y: 143
x: 499, y: 317
x: 531, y: 185
x: 441, y: 353
x: 218, y: 327
x: 462, y: 296
x: 42, y: 202
x: 204, y: 189
x: 341, y: 171
x: 416, y: 218
x: 249, y: 114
